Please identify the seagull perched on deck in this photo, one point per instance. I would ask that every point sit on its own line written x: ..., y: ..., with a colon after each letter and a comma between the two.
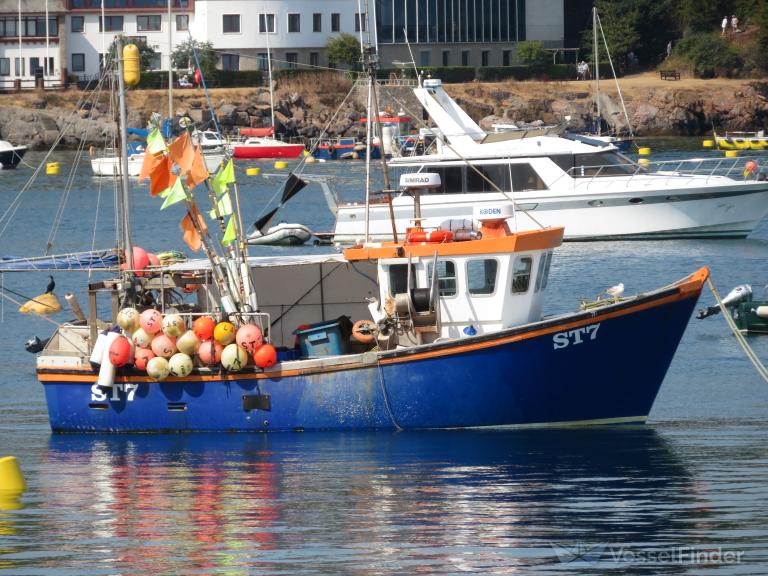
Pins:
x: 616, y: 291
x: 51, y: 285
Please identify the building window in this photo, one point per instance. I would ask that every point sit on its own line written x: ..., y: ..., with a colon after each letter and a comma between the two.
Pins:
x: 521, y: 274
x: 481, y: 276
x: 78, y: 62
x: 446, y: 274
x: 230, y: 62
x: 446, y: 57
x: 484, y: 56
x: 292, y: 58
x: 77, y: 23
x: 154, y: 62
x: 5, y: 66
x: 182, y: 22
x: 263, y: 61
x: 231, y: 23
x: 424, y: 58
x: 359, y: 22
x: 335, y: 22
x: 465, y: 57
x: 148, y: 23
x: 314, y: 59
x: 267, y: 23
x: 506, y: 58
x: 294, y: 22
x: 111, y: 24
x: 317, y: 22
x: 19, y: 65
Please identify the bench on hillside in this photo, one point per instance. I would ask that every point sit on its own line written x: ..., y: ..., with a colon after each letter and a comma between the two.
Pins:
x: 669, y: 74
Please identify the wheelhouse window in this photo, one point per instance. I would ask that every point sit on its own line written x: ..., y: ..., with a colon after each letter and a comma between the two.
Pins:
x: 521, y: 274
x: 601, y: 164
x: 503, y: 177
x: 543, y: 273
x: 481, y: 276
x: 398, y: 280
x: 231, y: 23
x: 149, y: 23
x: 446, y: 277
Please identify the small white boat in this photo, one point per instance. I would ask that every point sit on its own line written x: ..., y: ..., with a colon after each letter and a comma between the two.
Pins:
x: 283, y: 234
x: 10, y: 155
x: 110, y: 165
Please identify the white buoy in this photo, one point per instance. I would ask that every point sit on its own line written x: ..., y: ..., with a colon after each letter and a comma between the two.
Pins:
x: 98, y: 348
x: 107, y: 369
x: 762, y: 311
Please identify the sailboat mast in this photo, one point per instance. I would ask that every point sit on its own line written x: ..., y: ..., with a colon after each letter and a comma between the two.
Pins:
x: 597, y: 68
x: 170, y: 64
x: 269, y: 77
x: 125, y: 196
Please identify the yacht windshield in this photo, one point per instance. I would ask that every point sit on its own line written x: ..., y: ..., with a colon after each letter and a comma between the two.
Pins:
x: 601, y: 164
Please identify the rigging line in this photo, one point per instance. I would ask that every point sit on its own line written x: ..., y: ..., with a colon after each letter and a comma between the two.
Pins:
x: 759, y: 366
x: 618, y: 88
x: 386, y: 396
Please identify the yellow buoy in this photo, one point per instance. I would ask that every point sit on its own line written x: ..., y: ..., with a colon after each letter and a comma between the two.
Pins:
x: 708, y: 143
x: 46, y: 303
x: 253, y: 171
x: 310, y: 160
x: 643, y: 161
x: 731, y: 153
x: 12, y: 483
x: 52, y: 168
x: 305, y: 153
x: 281, y: 164
x: 131, y: 66
x: 644, y: 151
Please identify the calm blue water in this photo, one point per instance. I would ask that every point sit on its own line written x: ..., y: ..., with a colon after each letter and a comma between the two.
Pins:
x: 665, y: 498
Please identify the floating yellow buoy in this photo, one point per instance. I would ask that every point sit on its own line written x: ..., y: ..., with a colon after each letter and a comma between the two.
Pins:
x: 12, y: 483
x: 731, y: 153
x: 310, y: 160
x: 643, y: 161
x: 253, y: 171
x: 44, y: 304
x: 708, y: 143
x: 281, y: 164
x: 305, y: 153
x: 52, y: 168
x: 644, y: 151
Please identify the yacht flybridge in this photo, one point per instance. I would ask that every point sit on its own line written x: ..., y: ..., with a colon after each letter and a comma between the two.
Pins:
x: 587, y: 186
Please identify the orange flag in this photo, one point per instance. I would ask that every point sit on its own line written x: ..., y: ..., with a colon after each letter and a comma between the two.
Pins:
x: 149, y: 164
x: 198, y: 173
x: 182, y: 152
x: 191, y: 233
x: 161, y: 177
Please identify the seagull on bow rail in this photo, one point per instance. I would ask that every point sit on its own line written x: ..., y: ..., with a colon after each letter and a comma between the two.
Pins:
x: 51, y: 285
x: 616, y: 291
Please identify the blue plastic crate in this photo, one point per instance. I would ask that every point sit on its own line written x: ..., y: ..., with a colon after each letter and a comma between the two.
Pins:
x: 323, y: 339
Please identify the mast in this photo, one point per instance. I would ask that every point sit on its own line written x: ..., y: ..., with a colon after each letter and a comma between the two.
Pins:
x: 597, y: 68
x: 269, y: 76
x: 170, y: 65
x: 124, y: 196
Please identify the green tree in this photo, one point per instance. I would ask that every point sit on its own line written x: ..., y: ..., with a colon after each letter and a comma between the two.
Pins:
x: 710, y: 55
x: 343, y: 49
x: 183, y: 56
x: 530, y: 52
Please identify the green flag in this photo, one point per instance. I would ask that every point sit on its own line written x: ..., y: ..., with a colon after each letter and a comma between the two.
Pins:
x: 229, y: 233
x: 225, y: 207
x: 155, y: 142
x: 225, y: 175
x: 174, y: 194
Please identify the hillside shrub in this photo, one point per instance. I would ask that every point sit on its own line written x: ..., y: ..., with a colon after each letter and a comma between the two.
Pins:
x: 709, y: 55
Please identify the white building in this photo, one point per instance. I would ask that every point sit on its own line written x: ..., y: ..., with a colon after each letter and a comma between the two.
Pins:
x: 295, y: 32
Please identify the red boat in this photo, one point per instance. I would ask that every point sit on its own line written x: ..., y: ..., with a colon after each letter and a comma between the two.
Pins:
x: 258, y: 147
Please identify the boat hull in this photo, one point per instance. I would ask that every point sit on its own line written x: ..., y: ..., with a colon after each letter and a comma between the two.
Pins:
x: 10, y: 158
x: 259, y: 152
x: 730, y: 211
x: 598, y: 366
x: 735, y: 143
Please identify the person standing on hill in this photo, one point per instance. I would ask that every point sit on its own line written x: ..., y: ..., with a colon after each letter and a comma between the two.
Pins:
x: 724, y: 25
x: 735, y: 24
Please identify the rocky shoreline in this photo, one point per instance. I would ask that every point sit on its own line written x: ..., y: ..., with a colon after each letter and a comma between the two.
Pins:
x: 37, y: 120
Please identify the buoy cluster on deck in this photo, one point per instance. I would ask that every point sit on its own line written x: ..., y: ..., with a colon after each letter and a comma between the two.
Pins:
x: 165, y: 346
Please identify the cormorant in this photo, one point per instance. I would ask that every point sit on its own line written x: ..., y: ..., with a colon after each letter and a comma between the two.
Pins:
x: 51, y: 285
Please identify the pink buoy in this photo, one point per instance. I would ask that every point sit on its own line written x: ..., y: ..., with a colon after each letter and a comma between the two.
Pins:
x: 163, y: 345
x: 151, y: 321
x: 141, y: 358
x: 249, y: 337
x: 265, y: 356
x: 120, y: 351
x: 209, y: 352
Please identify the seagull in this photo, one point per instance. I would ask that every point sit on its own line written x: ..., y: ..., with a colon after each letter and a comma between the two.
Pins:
x: 616, y: 291
x: 51, y: 285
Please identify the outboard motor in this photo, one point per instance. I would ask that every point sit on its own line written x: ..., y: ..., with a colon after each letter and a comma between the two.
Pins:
x: 742, y: 293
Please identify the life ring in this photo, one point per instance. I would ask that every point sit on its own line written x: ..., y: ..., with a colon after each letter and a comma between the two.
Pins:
x: 362, y: 331
x: 433, y: 236
x: 749, y: 168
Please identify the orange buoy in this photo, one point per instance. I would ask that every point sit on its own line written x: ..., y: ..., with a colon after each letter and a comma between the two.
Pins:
x: 249, y: 337
x: 362, y: 331
x: 265, y: 356
x: 203, y: 327
x: 120, y: 351
x: 433, y: 236
x: 141, y: 358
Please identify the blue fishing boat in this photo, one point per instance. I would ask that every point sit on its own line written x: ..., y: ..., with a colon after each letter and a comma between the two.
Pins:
x: 344, y: 148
